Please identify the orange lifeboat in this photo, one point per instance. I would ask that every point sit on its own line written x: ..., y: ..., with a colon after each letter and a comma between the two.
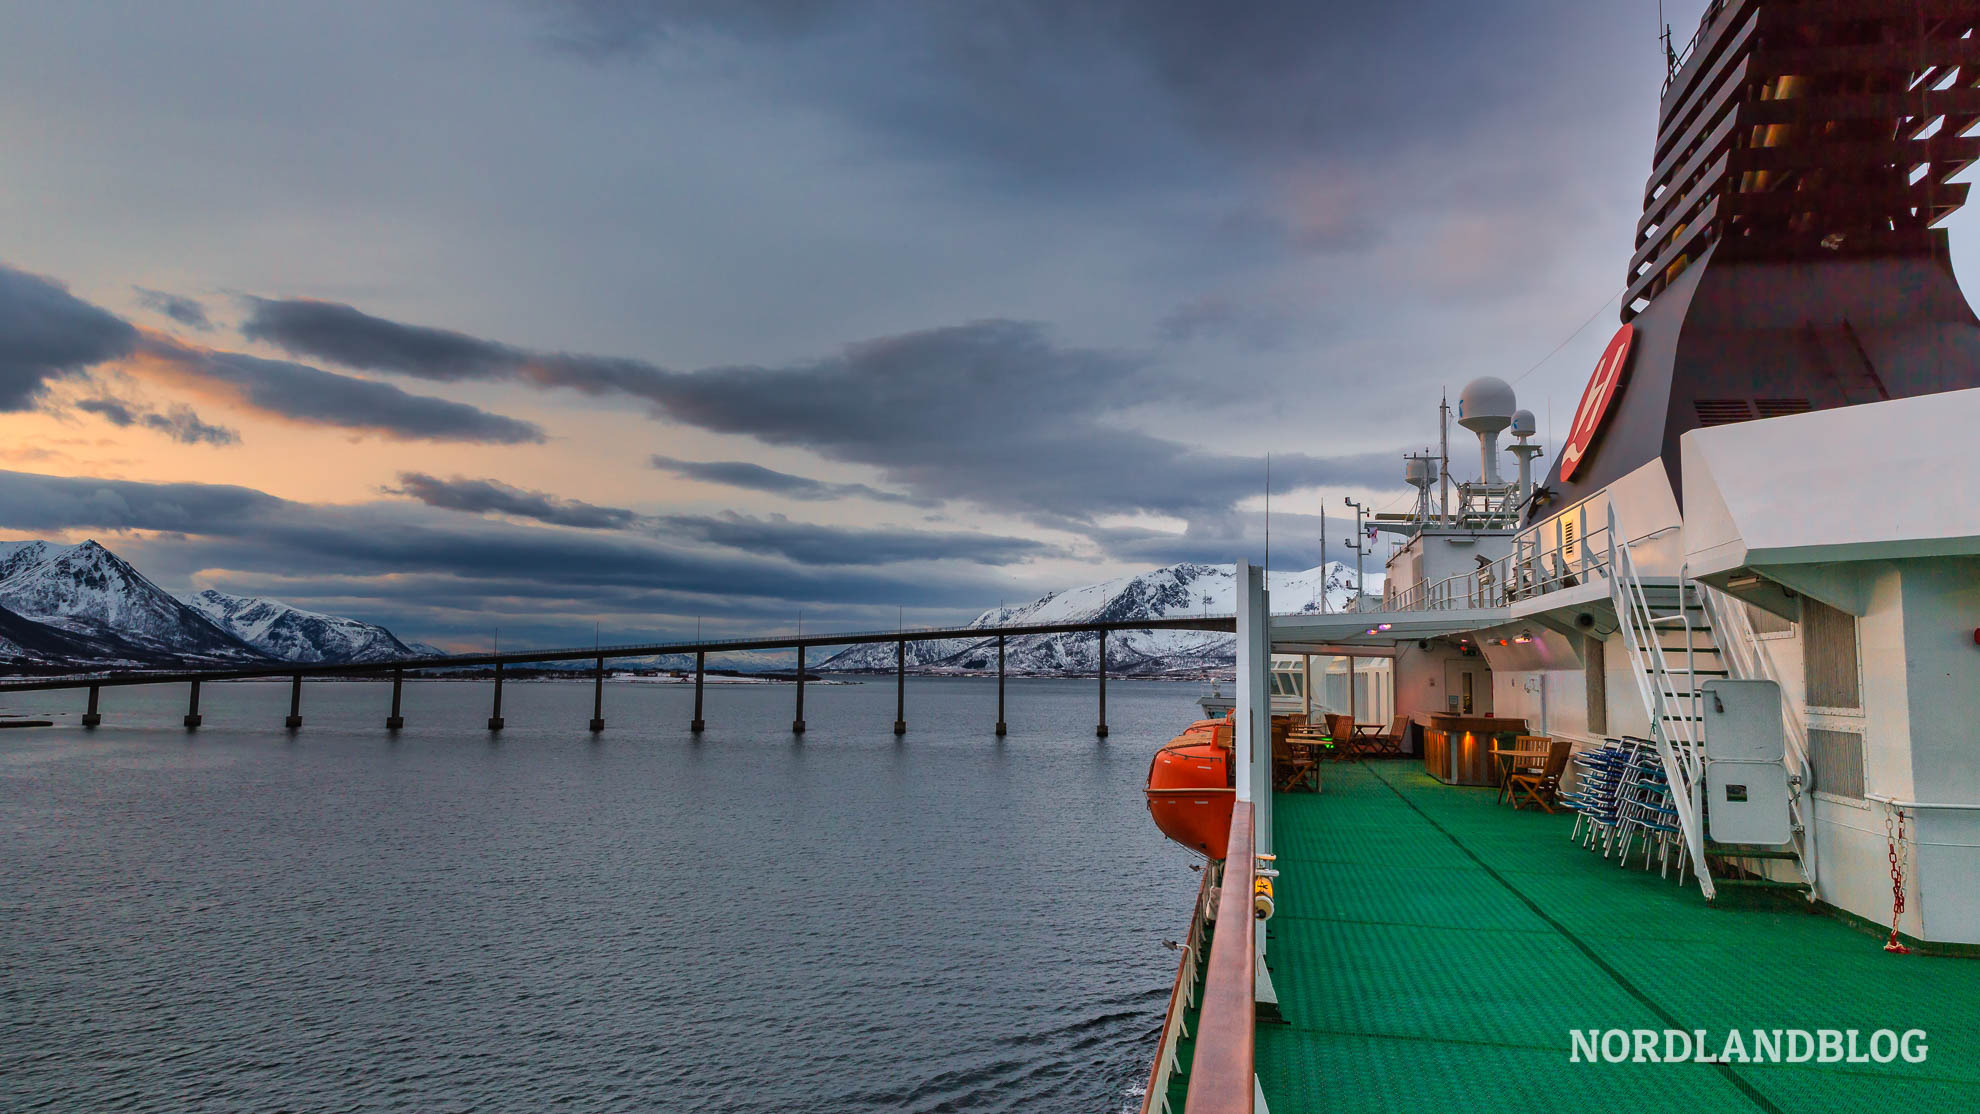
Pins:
x: 1191, y: 787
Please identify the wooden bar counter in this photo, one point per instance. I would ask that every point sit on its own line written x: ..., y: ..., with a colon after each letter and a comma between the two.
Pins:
x: 1457, y: 750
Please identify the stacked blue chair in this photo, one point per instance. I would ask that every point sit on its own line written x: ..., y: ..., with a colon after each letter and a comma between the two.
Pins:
x: 1646, y: 810
x: 1598, y: 777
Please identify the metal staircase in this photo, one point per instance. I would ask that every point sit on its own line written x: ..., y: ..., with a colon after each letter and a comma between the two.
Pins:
x: 1673, y: 629
x: 1670, y: 693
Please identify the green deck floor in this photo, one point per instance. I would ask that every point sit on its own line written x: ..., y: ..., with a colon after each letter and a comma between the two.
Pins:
x: 1433, y: 950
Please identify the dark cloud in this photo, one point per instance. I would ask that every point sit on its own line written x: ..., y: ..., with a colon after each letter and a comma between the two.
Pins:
x: 345, y: 335
x: 1214, y: 316
x: 1111, y: 90
x: 46, y: 333
x: 226, y: 527
x: 991, y: 412
x: 300, y: 393
x: 186, y: 311
x: 178, y: 422
x: 803, y: 542
x: 755, y: 477
x: 495, y: 497
x: 814, y: 544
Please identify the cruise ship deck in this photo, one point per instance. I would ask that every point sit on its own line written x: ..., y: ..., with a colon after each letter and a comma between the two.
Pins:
x: 1432, y: 950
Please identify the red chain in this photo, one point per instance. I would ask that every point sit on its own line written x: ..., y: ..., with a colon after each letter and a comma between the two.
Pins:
x: 1894, y: 835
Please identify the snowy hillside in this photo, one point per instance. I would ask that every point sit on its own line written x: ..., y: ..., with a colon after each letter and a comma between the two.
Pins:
x: 292, y: 634
x: 1172, y: 592
x: 16, y: 556
x: 89, y: 591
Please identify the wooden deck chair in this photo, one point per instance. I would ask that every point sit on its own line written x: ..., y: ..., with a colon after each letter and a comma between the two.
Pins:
x: 1540, y: 784
x: 1385, y: 742
x: 1293, y: 767
x: 1341, y: 728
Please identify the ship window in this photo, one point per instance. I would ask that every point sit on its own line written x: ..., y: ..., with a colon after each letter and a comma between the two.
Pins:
x: 1828, y: 645
x: 1836, y: 758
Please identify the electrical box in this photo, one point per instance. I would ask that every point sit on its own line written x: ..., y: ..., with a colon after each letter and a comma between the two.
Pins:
x: 1746, y: 784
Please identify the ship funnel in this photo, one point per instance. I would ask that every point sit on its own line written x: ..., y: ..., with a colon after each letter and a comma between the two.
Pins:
x: 1486, y: 406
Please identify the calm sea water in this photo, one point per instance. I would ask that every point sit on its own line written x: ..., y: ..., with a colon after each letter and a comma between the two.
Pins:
x: 241, y: 919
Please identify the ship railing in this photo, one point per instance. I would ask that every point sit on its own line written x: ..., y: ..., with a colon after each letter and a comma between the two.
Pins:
x: 1546, y: 557
x: 1223, y: 1070
x: 1182, y: 996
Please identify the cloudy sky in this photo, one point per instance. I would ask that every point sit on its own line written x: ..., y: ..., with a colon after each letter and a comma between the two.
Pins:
x: 541, y: 315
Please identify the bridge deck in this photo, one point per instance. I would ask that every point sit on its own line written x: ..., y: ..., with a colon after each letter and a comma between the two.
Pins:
x: 1432, y: 951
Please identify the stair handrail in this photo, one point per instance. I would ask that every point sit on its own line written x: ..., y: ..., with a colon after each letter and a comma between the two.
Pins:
x: 1670, y: 730
x: 1748, y: 658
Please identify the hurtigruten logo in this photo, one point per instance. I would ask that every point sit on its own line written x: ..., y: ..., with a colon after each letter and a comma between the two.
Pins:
x: 1746, y: 1046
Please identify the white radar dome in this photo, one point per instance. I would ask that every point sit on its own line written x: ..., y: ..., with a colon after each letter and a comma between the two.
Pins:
x: 1522, y: 424
x: 1486, y: 405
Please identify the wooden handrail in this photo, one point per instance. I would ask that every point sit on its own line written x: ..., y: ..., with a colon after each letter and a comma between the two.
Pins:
x: 1222, y: 1072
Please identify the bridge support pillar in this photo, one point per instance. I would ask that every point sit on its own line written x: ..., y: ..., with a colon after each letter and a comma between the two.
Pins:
x: 900, y: 688
x: 495, y: 716
x: 193, y: 718
x: 92, y: 717
x: 1001, y: 728
x: 295, y: 703
x: 394, y: 721
x: 1101, y: 730
x: 598, y: 697
x: 797, y: 723
x: 698, y: 725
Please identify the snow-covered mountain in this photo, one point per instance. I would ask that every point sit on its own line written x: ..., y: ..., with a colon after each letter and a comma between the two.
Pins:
x: 1175, y: 591
x: 38, y: 646
x: 292, y: 634
x: 83, y: 606
x: 89, y: 591
x: 15, y: 556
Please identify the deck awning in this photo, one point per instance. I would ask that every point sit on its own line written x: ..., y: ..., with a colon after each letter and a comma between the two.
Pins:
x: 1379, y: 628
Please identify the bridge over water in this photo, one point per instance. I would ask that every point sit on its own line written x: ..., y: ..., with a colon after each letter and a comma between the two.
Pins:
x: 599, y: 655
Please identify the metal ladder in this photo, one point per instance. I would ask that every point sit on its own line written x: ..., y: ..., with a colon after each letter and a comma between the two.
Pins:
x: 1748, y: 659
x: 1670, y: 692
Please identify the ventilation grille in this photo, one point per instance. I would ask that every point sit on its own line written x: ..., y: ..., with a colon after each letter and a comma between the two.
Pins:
x: 1726, y: 411
x: 1723, y: 411
x: 1836, y: 758
x: 1776, y: 407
